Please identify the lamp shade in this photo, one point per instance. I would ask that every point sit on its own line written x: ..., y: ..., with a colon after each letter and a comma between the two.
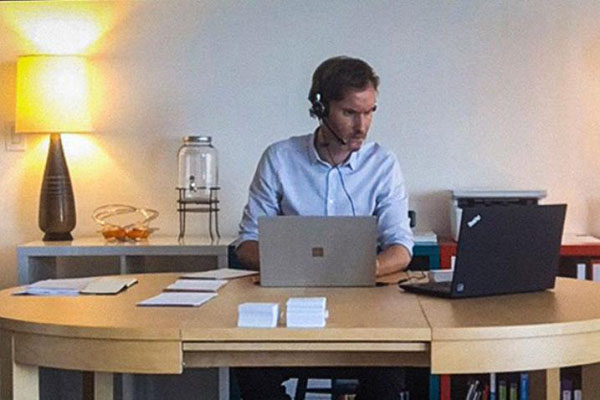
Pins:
x: 52, y: 95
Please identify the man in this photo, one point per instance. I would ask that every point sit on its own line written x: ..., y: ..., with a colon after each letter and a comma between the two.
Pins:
x: 331, y: 172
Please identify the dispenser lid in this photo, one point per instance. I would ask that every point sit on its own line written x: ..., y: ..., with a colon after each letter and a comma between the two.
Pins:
x: 197, y: 139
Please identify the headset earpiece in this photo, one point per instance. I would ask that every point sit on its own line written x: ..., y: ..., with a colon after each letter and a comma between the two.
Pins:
x: 318, y: 108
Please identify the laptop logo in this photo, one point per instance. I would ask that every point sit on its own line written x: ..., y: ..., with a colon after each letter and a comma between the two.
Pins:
x: 318, y: 252
x: 474, y: 221
x: 460, y: 287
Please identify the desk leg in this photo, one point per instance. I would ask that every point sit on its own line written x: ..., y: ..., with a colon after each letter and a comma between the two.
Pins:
x: 545, y: 384
x: 26, y: 382
x: 131, y: 264
x: 33, y: 269
x: 127, y: 386
x: 223, y: 261
x: 5, y: 365
x: 17, y: 381
x: 223, y: 383
x: 103, y: 386
x: 590, y: 380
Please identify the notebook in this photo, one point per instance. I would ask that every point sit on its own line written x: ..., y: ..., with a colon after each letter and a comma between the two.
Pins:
x: 317, y: 251
x: 501, y: 250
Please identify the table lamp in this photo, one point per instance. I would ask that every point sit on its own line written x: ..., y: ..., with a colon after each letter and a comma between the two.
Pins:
x: 53, y: 97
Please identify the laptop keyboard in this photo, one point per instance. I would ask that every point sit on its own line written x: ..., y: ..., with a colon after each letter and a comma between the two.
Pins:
x: 433, y: 286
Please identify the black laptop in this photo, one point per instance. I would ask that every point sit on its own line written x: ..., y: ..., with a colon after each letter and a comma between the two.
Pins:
x: 503, y: 249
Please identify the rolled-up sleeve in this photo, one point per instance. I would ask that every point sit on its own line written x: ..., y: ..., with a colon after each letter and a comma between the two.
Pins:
x: 263, y: 199
x: 391, y: 210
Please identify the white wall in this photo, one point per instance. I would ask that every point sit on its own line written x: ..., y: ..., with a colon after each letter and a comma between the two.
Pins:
x: 473, y: 93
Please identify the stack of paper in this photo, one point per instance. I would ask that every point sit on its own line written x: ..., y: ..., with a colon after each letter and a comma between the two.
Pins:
x: 258, y: 315
x: 195, y: 285
x: 306, y: 312
x: 75, y: 286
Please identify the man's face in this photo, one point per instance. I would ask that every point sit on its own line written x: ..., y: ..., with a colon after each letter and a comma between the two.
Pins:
x: 351, y: 117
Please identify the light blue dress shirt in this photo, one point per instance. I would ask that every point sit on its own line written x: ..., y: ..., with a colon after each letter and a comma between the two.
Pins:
x: 291, y: 179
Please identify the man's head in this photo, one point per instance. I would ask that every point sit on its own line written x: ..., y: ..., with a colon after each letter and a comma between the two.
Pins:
x: 343, y: 96
x: 335, y: 76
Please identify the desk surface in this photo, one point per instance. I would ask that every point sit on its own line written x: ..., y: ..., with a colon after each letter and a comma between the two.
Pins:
x: 383, y: 313
x: 501, y: 333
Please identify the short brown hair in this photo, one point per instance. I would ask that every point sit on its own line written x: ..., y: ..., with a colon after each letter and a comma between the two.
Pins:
x: 335, y: 75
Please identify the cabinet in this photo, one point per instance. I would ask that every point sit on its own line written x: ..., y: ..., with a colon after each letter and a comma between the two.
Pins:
x: 38, y: 260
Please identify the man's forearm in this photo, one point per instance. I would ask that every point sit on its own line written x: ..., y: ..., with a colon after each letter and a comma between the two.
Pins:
x: 393, y: 259
x: 247, y: 253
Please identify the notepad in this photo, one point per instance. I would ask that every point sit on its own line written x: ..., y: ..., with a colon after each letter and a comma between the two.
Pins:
x: 76, y: 286
x: 108, y: 285
x: 196, y: 285
x: 221, y: 273
x: 177, y: 299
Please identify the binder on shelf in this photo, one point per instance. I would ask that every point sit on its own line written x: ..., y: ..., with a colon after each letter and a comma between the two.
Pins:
x: 524, y: 386
x: 581, y: 267
x: 473, y: 391
x: 502, y: 395
x: 493, y: 386
x: 513, y: 391
x: 445, y: 387
x: 434, y: 387
x: 596, y: 272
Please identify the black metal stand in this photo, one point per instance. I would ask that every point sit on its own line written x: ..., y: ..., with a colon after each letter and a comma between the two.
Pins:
x: 210, y: 206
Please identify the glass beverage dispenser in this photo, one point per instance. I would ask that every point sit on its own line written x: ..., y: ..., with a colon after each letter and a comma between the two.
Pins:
x: 198, y: 180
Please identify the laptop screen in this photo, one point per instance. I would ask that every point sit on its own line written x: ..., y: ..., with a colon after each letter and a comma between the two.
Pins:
x: 508, y: 249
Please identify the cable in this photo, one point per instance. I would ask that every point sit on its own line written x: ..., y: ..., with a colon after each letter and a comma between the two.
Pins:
x: 346, y: 191
x: 326, y: 213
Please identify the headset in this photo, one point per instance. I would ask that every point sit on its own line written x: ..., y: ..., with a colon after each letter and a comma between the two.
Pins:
x: 320, y: 111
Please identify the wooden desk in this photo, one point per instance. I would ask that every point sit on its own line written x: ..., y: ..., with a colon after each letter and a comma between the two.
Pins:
x: 37, y: 260
x: 367, y: 326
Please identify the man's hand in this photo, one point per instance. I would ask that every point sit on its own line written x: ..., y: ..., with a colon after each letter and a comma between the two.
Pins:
x: 393, y: 259
x: 247, y: 253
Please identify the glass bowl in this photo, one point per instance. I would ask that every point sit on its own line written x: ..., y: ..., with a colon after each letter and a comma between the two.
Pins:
x: 135, y: 228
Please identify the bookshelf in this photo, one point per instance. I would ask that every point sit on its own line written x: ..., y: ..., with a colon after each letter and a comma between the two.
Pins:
x: 580, y: 259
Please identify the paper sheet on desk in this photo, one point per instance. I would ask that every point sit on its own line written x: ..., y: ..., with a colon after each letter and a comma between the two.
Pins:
x: 177, y: 299
x: 196, y: 285
x: 221, y: 273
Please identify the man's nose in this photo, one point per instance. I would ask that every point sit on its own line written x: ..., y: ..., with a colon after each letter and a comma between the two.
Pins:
x: 361, y: 123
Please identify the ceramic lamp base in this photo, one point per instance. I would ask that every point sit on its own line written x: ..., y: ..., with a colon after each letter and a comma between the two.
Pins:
x: 57, y: 203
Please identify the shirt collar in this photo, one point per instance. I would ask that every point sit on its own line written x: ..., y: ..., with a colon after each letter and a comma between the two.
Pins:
x: 313, y: 154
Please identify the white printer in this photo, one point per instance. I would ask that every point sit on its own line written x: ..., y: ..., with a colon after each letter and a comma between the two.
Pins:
x: 463, y: 198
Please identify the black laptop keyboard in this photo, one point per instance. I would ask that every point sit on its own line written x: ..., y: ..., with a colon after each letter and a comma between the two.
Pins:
x: 446, y: 284
x: 434, y: 286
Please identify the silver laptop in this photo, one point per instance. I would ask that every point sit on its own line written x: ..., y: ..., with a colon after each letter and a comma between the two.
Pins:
x: 317, y: 251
